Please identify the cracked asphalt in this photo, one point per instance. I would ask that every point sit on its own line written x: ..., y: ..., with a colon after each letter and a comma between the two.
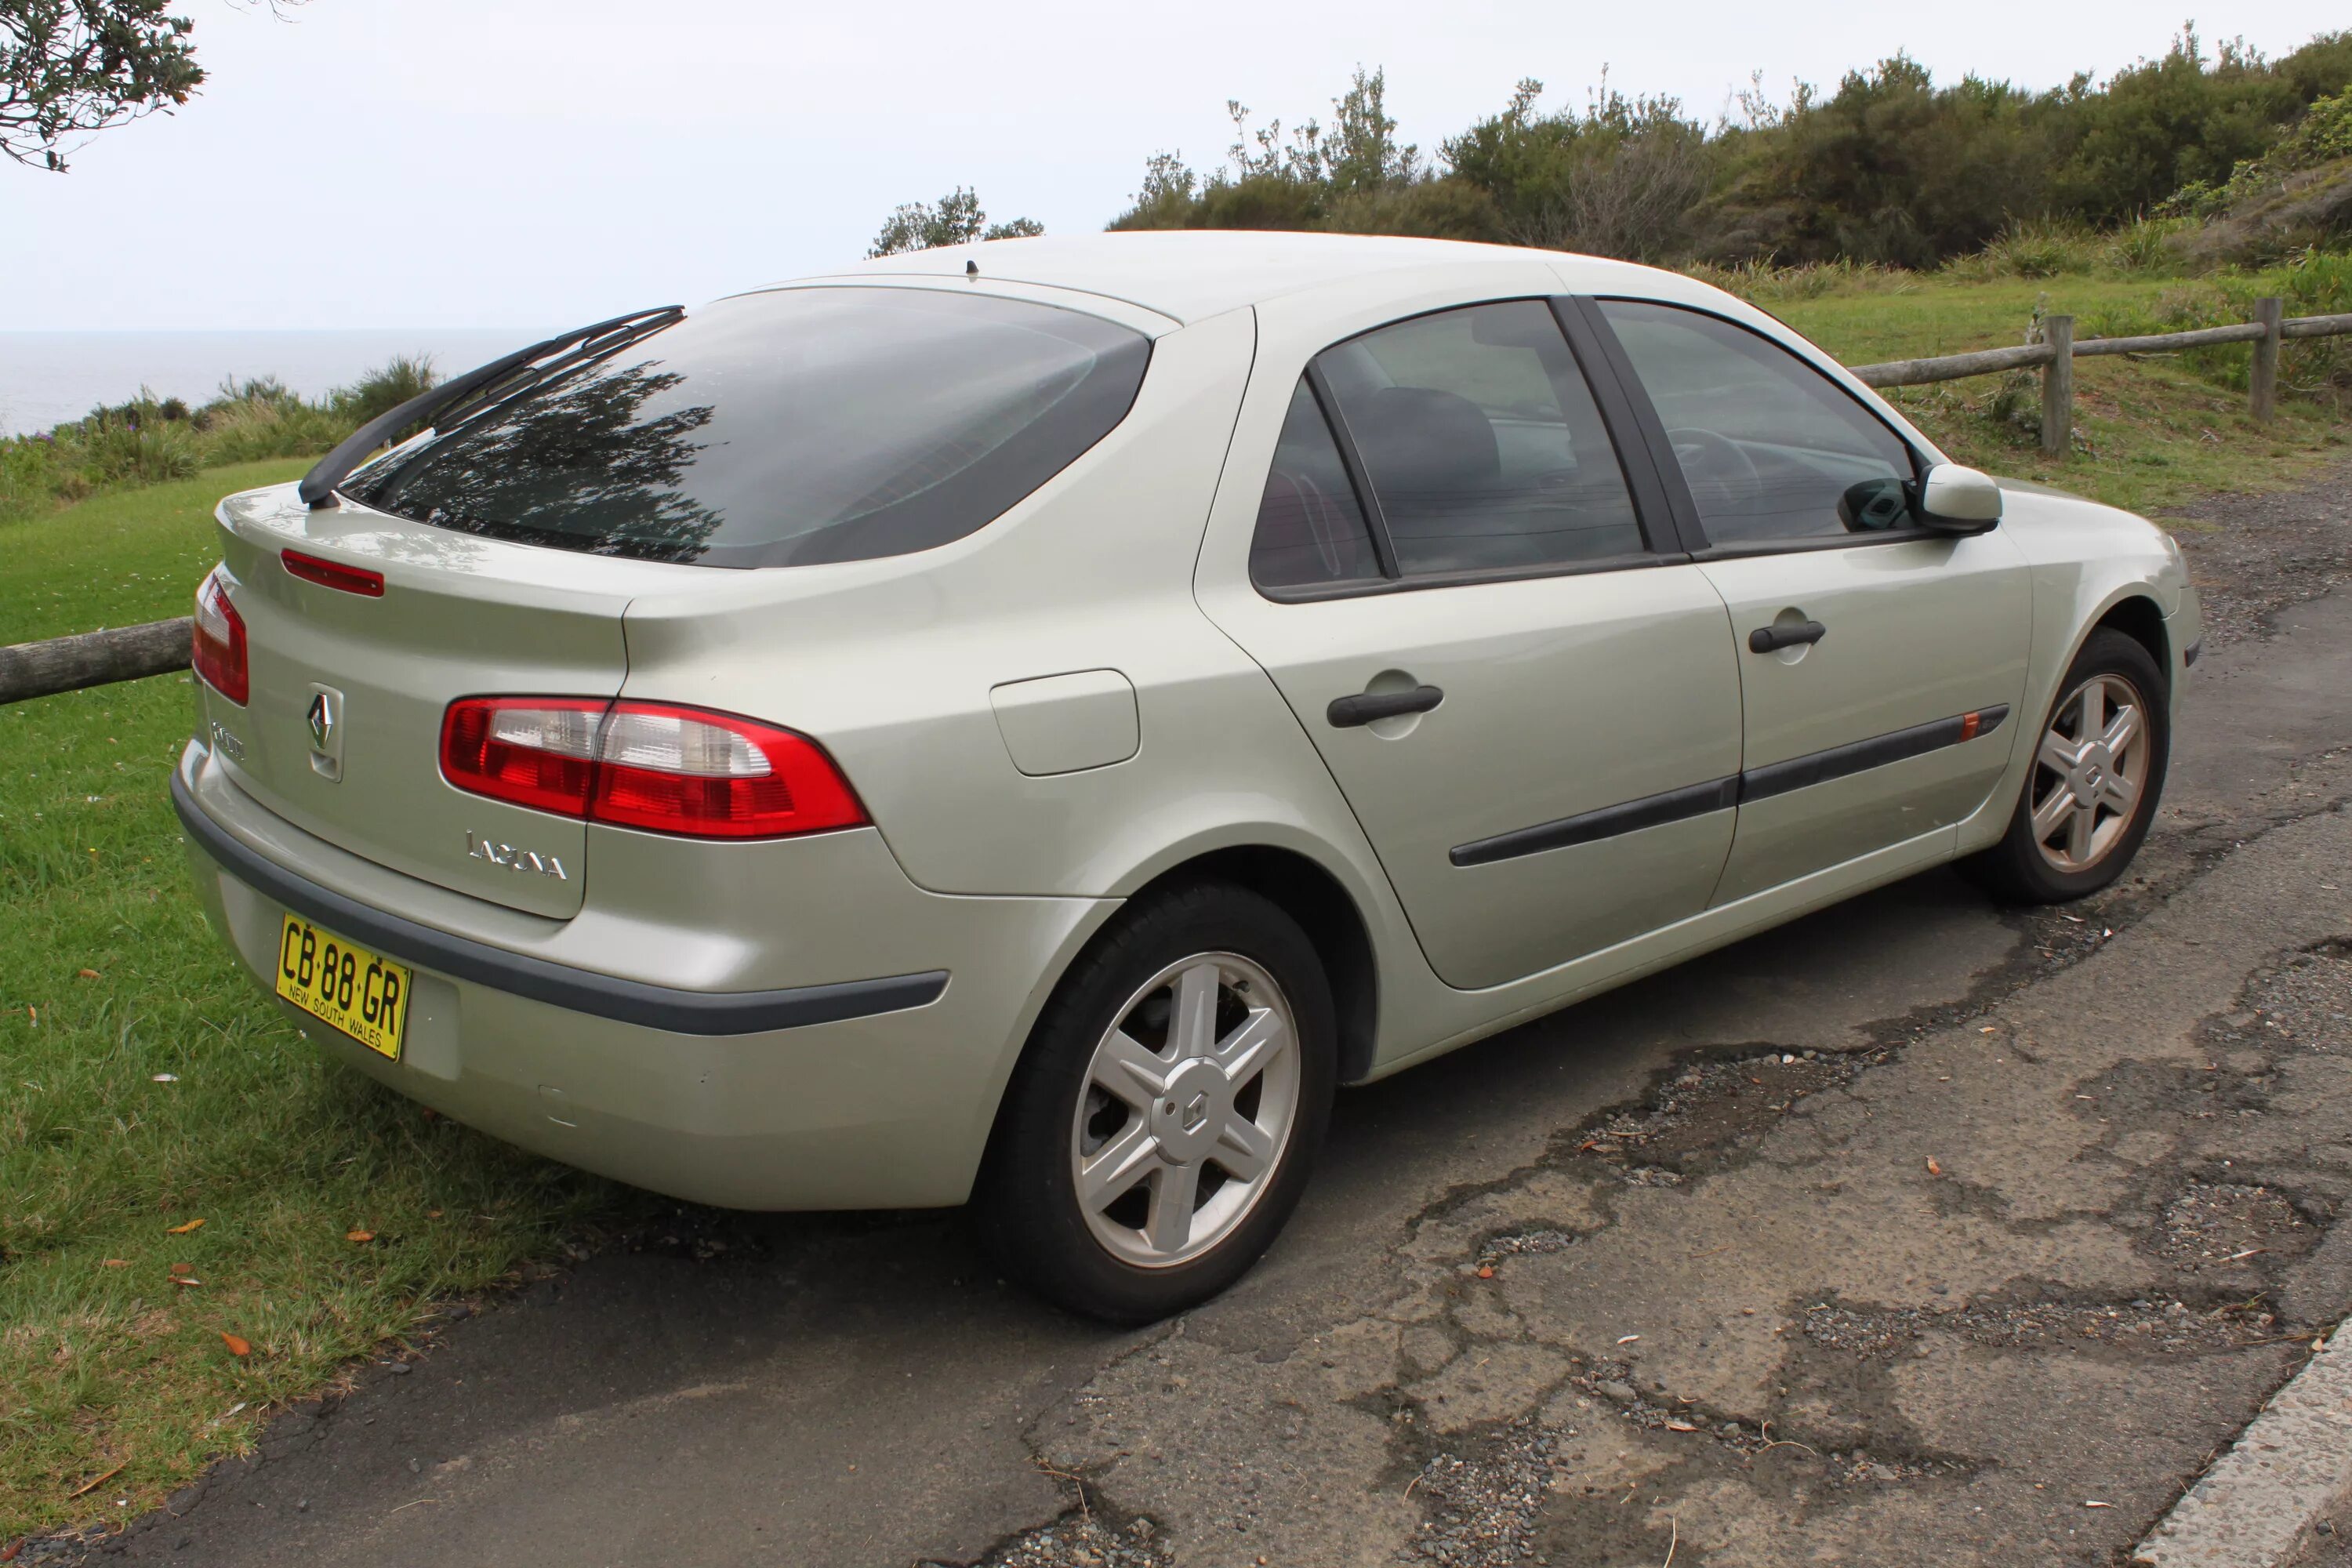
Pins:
x: 1919, y: 1231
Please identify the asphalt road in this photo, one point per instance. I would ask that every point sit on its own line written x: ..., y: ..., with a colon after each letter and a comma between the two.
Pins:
x: 1915, y: 1232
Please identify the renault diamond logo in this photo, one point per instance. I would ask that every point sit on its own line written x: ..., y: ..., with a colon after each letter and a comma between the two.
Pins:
x: 325, y: 719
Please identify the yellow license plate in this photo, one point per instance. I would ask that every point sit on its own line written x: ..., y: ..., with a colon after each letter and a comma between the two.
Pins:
x: 363, y: 994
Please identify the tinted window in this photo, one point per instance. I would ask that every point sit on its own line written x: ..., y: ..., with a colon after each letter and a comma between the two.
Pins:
x: 1771, y: 447
x: 1482, y: 441
x: 800, y: 424
x: 1310, y: 528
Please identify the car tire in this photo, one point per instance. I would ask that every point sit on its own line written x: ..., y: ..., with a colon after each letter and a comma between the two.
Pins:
x: 1128, y: 1178
x: 2073, y: 832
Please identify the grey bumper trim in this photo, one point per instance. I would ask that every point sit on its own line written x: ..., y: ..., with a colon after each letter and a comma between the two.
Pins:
x: 560, y: 985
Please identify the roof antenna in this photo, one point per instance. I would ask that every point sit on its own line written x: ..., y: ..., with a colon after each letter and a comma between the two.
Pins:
x: 971, y: 268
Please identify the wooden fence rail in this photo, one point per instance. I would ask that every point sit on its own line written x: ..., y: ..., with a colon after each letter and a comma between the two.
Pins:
x: 92, y: 658
x: 2059, y: 349
x: 127, y: 653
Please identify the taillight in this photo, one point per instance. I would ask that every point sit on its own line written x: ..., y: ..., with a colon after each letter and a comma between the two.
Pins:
x: 540, y: 752
x: 647, y: 766
x: 218, y: 653
x: 333, y: 573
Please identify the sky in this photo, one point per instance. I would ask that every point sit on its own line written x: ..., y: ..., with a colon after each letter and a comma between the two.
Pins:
x: 526, y: 163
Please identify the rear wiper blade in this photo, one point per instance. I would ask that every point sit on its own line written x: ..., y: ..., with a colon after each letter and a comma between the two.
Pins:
x: 318, y: 486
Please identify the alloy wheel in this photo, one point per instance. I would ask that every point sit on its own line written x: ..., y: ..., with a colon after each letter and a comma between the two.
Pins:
x: 1190, y: 1100
x: 2088, y: 773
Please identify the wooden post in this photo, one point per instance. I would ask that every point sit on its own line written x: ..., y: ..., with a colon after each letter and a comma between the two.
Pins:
x: 2058, y: 386
x: 2262, y: 381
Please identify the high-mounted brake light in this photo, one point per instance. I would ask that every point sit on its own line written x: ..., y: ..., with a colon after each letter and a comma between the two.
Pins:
x: 218, y: 655
x: 333, y: 573
x: 645, y: 766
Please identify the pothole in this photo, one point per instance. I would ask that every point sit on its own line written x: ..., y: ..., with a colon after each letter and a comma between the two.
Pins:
x: 1088, y: 1541
x: 1696, y: 1115
x: 2305, y: 1001
x: 1482, y: 1511
x: 1522, y: 1243
x: 2215, y: 1227
x: 2151, y: 1326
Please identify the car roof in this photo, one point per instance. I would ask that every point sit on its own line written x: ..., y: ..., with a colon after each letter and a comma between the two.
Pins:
x: 1189, y: 275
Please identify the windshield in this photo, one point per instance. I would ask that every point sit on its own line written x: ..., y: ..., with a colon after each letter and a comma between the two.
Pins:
x: 780, y: 428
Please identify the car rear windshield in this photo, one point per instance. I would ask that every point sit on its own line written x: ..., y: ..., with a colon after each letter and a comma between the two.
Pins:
x: 778, y: 429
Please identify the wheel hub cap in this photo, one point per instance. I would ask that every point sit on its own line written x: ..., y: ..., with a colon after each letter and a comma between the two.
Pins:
x: 1186, y: 1110
x: 1185, y: 1120
x: 2093, y: 760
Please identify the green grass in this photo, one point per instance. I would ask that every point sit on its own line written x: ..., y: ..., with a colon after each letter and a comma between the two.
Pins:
x: 119, y: 559
x: 109, y: 976
x: 2150, y: 433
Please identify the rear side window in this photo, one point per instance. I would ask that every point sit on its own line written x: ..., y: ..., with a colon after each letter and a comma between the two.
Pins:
x: 781, y: 428
x: 1482, y: 442
x: 1771, y: 447
x: 1311, y: 527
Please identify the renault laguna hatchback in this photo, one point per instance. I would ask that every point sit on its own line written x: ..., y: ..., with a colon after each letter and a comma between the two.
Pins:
x: 1017, y: 725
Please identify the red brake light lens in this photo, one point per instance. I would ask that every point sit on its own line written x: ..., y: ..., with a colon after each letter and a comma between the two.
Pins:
x: 647, y: 765
x: 333, y: 573
x: 218, y: 655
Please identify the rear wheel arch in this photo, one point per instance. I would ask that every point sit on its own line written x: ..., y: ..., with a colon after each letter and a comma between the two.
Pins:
x: 1313, y: 897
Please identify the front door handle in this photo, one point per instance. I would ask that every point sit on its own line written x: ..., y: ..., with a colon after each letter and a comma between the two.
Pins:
x: 1769, y: 639
x: 1348, y: 712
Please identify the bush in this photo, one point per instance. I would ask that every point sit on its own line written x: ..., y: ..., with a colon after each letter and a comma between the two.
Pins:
x: 2033, y: 249
x: 2147, y: 244
x: 149, y: 440
x: 135, y: 454
x: 384, y: 388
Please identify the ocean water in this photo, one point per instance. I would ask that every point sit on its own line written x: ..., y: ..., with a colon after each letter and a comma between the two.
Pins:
x: 46, y: 377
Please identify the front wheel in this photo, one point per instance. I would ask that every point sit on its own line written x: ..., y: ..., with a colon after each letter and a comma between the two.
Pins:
x: 2098, y: 769
x: 1163, y: 1121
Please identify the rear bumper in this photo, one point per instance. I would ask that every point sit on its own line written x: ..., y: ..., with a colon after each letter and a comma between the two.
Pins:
x: 844, y: 1092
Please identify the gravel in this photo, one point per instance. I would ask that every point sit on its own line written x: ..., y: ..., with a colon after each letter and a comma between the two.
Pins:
x: 2253, y: 556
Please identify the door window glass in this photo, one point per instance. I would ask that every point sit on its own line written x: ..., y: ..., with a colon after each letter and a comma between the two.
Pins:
x: 1771, y: 447
x: 1482, y: 441
x: 1311, y: 527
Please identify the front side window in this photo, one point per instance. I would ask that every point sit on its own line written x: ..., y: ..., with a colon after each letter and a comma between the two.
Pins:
x: 777, y: 430
x: 1770, y: 448
x: 1481, y: 441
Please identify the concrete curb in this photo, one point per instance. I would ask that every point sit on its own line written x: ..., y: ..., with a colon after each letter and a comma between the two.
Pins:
x: 2254, y: 1507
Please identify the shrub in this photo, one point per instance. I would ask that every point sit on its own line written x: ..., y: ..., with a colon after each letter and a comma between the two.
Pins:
x: 136, y: 454
x: 2147, y: 244
x: 384, y: 388
x: 149, y: 440
x: 2034, y: 249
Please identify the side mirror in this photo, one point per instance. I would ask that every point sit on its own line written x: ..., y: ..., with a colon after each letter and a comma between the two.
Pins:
x: 1955, y: 500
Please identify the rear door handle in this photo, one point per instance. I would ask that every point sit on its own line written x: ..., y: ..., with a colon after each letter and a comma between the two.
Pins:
x: 1348, y: 712
x: 1768, y: 639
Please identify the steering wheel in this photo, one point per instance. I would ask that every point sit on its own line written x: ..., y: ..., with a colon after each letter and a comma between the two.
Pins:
x: 1705, y: 455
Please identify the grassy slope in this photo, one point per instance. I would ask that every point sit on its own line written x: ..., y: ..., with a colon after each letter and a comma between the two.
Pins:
x: 103, y: 1365
x: 2151, y: 432
x: 104, y: 1360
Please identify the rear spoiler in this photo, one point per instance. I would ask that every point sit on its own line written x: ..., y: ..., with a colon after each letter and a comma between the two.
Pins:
x: 318, y: 486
